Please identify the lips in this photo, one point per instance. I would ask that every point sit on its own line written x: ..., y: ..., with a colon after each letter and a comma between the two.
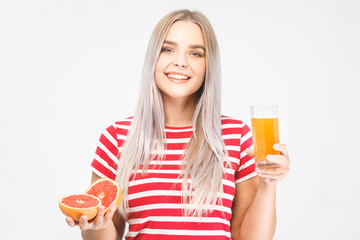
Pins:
x: 177, y: 77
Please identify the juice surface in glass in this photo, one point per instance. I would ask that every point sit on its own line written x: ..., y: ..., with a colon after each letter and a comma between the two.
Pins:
x: 265, y: 135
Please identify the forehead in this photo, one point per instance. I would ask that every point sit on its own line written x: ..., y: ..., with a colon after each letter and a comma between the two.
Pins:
x: 185, y: 32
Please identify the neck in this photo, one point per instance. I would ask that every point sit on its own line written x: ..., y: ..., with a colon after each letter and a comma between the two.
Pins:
x: 179, y: 112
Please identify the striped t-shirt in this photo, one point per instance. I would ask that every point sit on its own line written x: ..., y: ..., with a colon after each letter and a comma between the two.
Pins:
x: 156, y: 210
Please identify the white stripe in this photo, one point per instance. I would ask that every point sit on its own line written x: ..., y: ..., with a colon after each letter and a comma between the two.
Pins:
x: 104, y: 163
x: 243, y: 154
x: 174, y: 206
x: 178, y: 232
x: 227, y: 170
x: 226, y: 117
x: 179, y: 219
x: 170, y: 180
x: 100, y: 174
x: 234, y: 160
x: 230, y: 125
x: 172, y: 152
x: 228, y: 183
x: 178, y: 140
x: 253, y: 174
x: 233, y: 148
x: 165, y: 162
x: 231, y: 136
x: 245, y: 137
x: 168, y: 193
x: 110, y: 154
x: 179, y: 130
x: 110, y: 138
x: 154, y: 180
x: 160, y: 171
x: 122, y: 126
x: 120, y: 136
x: 155, y: 163
x: 248, y: 163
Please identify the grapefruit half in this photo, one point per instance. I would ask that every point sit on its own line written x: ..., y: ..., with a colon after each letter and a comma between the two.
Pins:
x: 107, y: 190
x: 77, y: 205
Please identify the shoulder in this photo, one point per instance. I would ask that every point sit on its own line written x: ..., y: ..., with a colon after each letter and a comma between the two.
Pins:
x: 231, y: 126
x: 226, y: 120
x: 123, y: 123
x: 230, y: 123
x: 118, y: 128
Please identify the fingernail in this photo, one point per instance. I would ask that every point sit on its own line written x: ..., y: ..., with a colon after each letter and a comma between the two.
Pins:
x: 268, y: 157
x: 83, y: 219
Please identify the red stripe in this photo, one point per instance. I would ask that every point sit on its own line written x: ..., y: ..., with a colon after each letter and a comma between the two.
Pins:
x: 231, y: 121
x: 232, y: 142
x: 180, y: 226
x: 246, y: 171
x: 248, y: 143
x: 227, y: 131
x: 173, y: 212
x: 174, y: 135
x: 106, y: 158
x: 175, y: 237
x: 109, y: 145
x: 99, y: 167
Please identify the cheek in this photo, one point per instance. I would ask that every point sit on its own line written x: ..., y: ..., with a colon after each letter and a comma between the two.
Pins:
x: 201, y: 70
x: 162, y: 63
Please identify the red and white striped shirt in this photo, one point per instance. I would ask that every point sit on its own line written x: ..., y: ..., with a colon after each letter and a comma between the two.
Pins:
x: 156, y: 210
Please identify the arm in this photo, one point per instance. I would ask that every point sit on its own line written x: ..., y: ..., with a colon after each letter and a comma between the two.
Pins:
x: 254, y: 214
x: 110, y: 226
x: 254, y: 208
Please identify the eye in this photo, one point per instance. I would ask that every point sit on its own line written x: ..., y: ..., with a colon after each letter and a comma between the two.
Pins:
x: 196, y: 54
x: 166, y: 50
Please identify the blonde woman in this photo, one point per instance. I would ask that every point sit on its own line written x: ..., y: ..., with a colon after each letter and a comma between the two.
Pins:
x: 186, y: 171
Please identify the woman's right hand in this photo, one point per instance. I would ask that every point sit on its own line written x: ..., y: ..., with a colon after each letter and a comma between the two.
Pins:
x: 101, y: 221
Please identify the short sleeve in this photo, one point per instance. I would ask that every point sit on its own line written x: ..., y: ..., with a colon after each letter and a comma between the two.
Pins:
x: 106, y: 160
x: 246, y: 168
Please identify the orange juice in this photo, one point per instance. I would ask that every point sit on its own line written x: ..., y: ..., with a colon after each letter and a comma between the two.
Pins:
x: 265, y: 135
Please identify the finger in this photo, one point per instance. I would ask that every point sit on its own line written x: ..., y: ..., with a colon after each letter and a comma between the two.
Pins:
x: 100, y: 216
x: 272, y: 178
x: 273, y: 170
x: 271, y: 175
x: 281, y: 148
x: 277, y: 177
x: 281, y: 160
x: 109, y: 215
x: 83, y: 222
x: 71, y: 222
x: 250, y: 152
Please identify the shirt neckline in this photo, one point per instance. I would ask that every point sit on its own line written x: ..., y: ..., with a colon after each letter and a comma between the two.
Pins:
x: 178, y: 128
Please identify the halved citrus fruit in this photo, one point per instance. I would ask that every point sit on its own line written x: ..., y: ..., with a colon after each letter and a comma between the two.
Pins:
x: 107, y: 190
x: 77, y: 205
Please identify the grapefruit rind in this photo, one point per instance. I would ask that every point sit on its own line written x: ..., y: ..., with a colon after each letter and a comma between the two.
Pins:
x: 76, y: 212
x: 118, y: 194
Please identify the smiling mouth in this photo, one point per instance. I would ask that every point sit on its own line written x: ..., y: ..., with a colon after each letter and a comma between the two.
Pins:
x: 178, y: 77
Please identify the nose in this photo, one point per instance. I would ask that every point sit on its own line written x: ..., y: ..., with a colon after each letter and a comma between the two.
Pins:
x: 180, y: 60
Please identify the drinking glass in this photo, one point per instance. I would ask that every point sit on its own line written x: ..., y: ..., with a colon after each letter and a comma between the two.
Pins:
x: 265, y: 131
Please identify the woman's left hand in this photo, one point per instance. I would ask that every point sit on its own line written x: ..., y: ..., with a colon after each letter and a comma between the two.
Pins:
x: 275, y: 174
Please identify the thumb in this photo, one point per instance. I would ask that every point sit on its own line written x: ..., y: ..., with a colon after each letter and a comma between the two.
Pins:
x: 250, y: 152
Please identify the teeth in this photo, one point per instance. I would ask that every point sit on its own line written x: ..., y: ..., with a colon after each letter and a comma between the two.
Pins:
x: 177, y: 76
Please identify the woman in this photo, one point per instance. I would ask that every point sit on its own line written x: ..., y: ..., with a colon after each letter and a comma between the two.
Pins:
x: 186, y: 171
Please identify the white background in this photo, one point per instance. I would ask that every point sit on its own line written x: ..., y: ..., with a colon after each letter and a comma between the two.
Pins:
x: 70, y: 68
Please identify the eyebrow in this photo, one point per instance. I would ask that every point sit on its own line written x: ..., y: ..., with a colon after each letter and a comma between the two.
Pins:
x: 190, y: 46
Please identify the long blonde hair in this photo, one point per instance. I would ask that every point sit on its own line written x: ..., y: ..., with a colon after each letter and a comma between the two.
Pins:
x: 203, y: 163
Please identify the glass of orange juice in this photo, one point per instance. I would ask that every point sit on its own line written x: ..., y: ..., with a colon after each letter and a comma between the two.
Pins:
x: 265, y: 131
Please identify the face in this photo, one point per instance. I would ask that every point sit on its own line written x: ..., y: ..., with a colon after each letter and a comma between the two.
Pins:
x: 180, y: 69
